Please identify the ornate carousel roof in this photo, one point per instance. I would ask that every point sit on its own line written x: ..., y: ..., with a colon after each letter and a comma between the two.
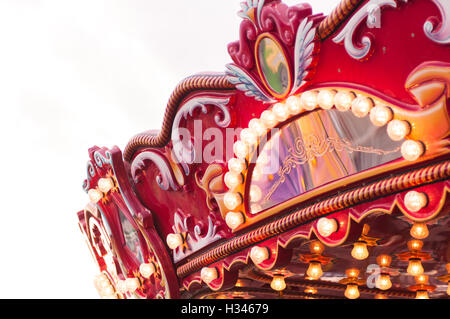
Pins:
x: 316, y: 166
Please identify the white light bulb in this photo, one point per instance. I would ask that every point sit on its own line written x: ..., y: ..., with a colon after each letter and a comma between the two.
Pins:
x: 269, y: 118
x: 308, y: 100
x: 240, y: 149
x: 383, y: 282
x: 278, y: 283
x: 314, y: 270
x: 325, y: 99
x: 415, y: 267
x: 259, y: 254
x: 380, y: 115
x: 249, y: 137
x: 237, y: 165
x: 232, y: 200
x: 281, y: 112
x: 234, y: 219
x: 174, y: 240
x: 361, y: 106
x: 257, y: 125
x: 412, y: 150
x: 255, y: 193
x: 397, y: 129
x: 147, y: 269
x: 352, y: 291
x: 233, y: 179
x: 105, y: 184
x: 132, y: 284
x: 326, y: 226
x: 415, y: 201
x: 208, y: 274
x: 360, y: 251
x: 343, y: 100
x: 95, y: 195
x: 293, y: 104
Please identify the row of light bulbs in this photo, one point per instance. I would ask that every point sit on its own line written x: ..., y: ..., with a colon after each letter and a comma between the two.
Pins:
x: 131, y: 284
x: 343, y: 100
x: 104, y: 287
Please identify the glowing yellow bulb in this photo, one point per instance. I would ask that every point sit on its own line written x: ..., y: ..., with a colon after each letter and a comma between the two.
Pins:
x: 232, y: 200
x: 412, y: 150
x: 314, y: 270
x: 397, y: 129
x: 415, y: 245
x: 259, y: 254
x: 327, y: 226
x: 257, y: 126
x: 343, y: 100
x: 422, y: 294
x: 380, y: 115
x: 105, y: 184
x: 269, y: 118
x: 419, y: 231
x: 174, y: 240
x: 325, y: 99
x: 360, y: 251
x: 94, y: 195
x: 421, y: 279
x: 293, y: 104
x: 209, y: 274
x: 384, y: 260
x: 237, y: 165
x: 361, y: 106
x: 308, y: 100
x: 352, y: 291
x: 415, y: 201
x: 415, y: 267
x: 281, y: 112
x: 233, y: 179
x: 147, y: 269
x: 383, y: 282
x: 316, y: 247
x: 234, y: 219
x: 278, y: 283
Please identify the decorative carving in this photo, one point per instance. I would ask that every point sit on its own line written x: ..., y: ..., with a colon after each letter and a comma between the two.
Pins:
x: 347, y: 33
x: 442, y: 35
x: 212, y: 183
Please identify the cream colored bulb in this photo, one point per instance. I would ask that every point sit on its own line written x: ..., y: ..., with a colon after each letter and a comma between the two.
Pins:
x: 412, y: 150
x: 268, y: 119
x: 105, y: 184
x: 380, y: 115
x: 174, y: 240
x: 255, y: 193
x: 122, y: 286
x: 325, y: 99
x: 293, y: 104
x: 132, y: 284
x: 249, y: 136
x: 147, y: 269
x: 234, y: 219
x: 415, y: 201
x: 257, y: 125
x: 398, y: 130
x: 232, y: 200
x: 94, y: 195
x: 361, y: 106
x: 259, y: 254
x: 308, y: 100
x: 422, y: 294
x: 233, y: 179
x: 326, y: 226
x: 237, y: 165
x: 209, y: 274
x: 281, y: 111
x: 343, y: 100
x: 240, y: 149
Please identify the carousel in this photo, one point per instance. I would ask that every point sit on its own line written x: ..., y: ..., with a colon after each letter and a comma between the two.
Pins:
x: 316, y: 166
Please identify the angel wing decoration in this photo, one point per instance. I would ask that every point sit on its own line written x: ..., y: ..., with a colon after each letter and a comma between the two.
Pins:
x: 245, y: 83
x: 304, y: 47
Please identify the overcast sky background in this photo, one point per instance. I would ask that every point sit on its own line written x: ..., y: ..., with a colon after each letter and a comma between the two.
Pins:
x: 74, y: 74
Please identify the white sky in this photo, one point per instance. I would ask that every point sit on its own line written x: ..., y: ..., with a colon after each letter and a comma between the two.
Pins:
x: 74, y: 74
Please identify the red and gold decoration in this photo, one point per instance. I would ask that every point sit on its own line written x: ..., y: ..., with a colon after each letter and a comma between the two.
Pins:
x: 333, y: 184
